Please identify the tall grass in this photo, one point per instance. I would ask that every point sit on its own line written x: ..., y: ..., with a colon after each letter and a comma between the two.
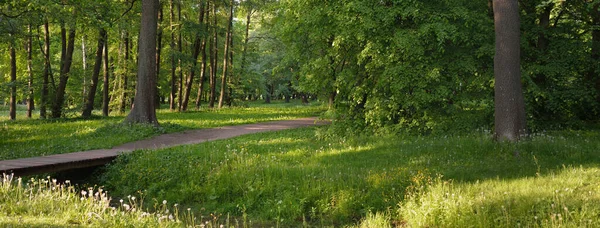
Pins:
x: 294, y: 178
x: 47, y: 203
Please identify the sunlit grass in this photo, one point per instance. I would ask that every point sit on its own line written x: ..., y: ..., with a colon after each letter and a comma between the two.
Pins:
x: 567, y: 197
x: 34, y: 137
x: 292, y: 177
x: 47, y: 203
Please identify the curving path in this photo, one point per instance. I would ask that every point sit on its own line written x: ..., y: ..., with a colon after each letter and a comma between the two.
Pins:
x: 61, y: 162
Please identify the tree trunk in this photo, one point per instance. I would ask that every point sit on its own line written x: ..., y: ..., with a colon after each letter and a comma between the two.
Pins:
x: 13, y: 82
x: 213, y: 60
x: 180, y: 51
x: 195, y: 53
x: 68, y: 45
x: 229, y: 96
x: 105, y: 94
x: 173, y: 58
x: 596, y: 48
x: 223, y: 95
x: 125, y: 74
x: 203, y: 50
x: 158, y: 53
x: 508, y: 96
x: 47, y: 71
x: 246, y: 40
x: 543, y: 41
x: 89, y: 104
x: 143, y: 110
x: 30, y: 95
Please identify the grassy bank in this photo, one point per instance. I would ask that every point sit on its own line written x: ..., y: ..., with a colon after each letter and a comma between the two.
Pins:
x: 292, y: 178
x: 34, y: 137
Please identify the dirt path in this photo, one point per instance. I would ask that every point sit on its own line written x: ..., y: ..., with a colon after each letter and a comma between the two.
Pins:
x: 61, y: 162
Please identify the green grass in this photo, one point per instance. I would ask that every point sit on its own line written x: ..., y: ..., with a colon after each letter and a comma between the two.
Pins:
x: 293, y: 178
x: 34, y: 137
x: 47, y: 203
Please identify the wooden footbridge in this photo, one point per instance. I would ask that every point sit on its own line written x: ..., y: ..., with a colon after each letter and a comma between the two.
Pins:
x: 92, y: 158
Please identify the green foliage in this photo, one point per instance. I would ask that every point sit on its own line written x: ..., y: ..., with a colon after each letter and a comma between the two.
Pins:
x: 392, y: 64
x: 290, y: 177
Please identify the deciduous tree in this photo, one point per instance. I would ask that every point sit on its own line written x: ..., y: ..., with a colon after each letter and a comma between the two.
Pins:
x: 143, y: 110
x: 509, y: 121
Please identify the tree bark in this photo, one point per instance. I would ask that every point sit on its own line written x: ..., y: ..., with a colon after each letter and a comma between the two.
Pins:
x: 173, y: 95
x: 125, y: 74
x: 47, y: 71
x: 13, y: 82
x: 180, y: 51
x: 508, y: 96
x: 246, y: 40
x: 213, y: 63
x: 223, y: 95
x: 158, y: 53
x: 143, y: 110
x: 596, y: 48
x: 231, y: 80
x: 68, y: 45
x: 195, y: 53
x: 105, y: 94
x: 30, y: 95
x: 89, y: 104
x: 203, y: 51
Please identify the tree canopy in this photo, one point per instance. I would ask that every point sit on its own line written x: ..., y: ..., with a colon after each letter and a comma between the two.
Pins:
x: 382, y: 66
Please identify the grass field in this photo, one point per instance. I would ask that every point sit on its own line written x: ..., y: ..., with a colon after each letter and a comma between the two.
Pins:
x: 34, y: 137
x: 308, y: 177
x: 293, y: 178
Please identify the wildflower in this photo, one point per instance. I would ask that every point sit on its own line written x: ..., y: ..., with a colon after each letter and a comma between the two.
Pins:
x: 164, y: 202
x: 121, y: 201
x: 126, y: 206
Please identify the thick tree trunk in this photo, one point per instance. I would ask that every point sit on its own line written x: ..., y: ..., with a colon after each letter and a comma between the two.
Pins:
x: 508, y: 96
x: 105, y: 94
x: 47, y: 72
x: 223, y: 95
x: 68, y: 45
x: 213, y: 59
x: 89, y: 104
x: 13, y: 81
x: 203, y: 50
x: 30, y: 95
x: 143, y: 108
x: 173, y: 94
